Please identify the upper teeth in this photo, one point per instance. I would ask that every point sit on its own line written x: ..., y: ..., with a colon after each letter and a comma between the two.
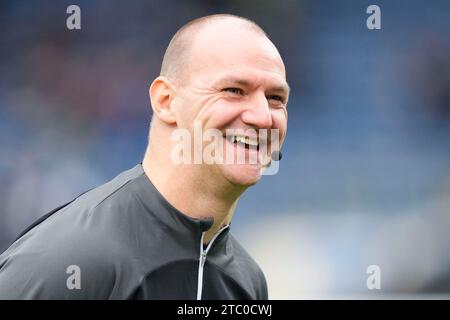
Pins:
x: 244, y: 139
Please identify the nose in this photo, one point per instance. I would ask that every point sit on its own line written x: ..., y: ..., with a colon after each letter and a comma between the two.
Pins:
x: 257, y: 114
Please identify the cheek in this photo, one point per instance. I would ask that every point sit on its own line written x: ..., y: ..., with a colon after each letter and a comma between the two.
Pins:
x: 192, y: 109
x: 279, y: 119
x: 184, y: 113
x: 219, y: 112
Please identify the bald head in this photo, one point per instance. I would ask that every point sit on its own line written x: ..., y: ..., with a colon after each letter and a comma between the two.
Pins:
x: 177, y: 58
x: 223, y: 73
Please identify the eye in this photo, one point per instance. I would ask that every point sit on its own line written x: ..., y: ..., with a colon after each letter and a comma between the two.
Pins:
x: 276, y: 98
x: 234, y: 91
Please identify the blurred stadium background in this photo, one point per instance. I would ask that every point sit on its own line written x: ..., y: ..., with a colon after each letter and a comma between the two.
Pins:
x: 365, y: 176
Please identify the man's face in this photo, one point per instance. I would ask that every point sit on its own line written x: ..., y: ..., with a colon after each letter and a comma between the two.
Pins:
x: 236, y: 82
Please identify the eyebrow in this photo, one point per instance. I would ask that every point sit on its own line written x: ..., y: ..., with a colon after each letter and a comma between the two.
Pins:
x: 281, y: 88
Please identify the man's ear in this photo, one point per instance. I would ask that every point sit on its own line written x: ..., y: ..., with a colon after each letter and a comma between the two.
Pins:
x: 161, y: 97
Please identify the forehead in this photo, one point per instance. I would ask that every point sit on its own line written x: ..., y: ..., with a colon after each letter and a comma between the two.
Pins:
x: 233, y: 50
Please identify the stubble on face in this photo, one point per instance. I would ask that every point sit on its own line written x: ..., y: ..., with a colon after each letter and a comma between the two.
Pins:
x: 229, y: 53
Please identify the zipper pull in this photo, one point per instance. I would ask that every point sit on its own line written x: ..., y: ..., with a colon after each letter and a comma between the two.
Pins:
x: 203, y: 258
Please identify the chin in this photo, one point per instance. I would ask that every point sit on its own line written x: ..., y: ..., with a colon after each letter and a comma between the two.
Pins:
x: 244, y: 175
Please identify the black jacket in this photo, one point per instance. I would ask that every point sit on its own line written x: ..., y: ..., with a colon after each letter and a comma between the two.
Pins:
x: 126, y: 242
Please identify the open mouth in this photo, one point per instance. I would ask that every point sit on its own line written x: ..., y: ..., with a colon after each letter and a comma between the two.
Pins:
x: 243, y: 141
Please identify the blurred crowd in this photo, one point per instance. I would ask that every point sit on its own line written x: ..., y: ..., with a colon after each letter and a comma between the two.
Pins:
x: 365, y: 175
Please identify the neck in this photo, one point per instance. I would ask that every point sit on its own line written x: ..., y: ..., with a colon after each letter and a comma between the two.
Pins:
x: 185, y: 188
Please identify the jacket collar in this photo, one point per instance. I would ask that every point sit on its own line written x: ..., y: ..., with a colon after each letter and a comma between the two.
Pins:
x: 160, y: 208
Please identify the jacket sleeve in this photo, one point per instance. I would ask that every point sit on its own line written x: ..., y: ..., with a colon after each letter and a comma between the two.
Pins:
x: 263, y: 293
x: 63, y: 266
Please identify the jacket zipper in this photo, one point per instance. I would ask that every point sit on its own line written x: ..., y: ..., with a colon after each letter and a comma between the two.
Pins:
x: 202, y: 260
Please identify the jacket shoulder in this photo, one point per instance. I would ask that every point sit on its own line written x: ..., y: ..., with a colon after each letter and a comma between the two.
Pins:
x: 81, y: 237
x: 250, y: 271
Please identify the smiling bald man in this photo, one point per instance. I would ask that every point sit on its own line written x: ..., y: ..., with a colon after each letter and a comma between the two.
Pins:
x: 161, y: 229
